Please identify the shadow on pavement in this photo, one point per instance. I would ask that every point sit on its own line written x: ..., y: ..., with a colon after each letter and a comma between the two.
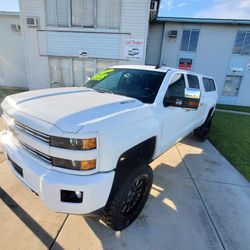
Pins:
x: 41, y: 234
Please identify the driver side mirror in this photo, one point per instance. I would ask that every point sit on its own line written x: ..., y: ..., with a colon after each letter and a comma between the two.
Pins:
x: 190, y: 100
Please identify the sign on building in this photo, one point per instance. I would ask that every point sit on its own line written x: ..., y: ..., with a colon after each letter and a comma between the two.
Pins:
x: 83, y: 54
x: 185, y: 63
x: 133, y: 49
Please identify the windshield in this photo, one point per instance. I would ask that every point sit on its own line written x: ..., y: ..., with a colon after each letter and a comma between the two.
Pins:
x: 140, y: 84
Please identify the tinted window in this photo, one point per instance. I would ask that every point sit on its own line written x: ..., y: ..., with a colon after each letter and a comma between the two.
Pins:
x: 209, y: 84
x: 189, y: 40
x: 193, y: 81
x: 140, y: 84
x: 177, y: 86
x: 246, y: 47
x: 185, y: 40
x: 194, y: 40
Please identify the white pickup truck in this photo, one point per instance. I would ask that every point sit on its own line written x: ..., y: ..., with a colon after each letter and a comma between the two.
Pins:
x: 82, y: 149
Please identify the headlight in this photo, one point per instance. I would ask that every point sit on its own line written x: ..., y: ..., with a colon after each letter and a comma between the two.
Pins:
x: 75, y: 144
x: 75, y: 165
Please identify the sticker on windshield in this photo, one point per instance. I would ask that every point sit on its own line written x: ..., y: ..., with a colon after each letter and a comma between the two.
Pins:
x: 103, y: 74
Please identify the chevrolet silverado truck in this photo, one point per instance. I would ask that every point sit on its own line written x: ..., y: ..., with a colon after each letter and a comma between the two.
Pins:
x: 87, y: 149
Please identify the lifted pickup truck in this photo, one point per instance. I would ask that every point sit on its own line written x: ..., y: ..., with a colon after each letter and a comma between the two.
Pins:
x: 82, y: 149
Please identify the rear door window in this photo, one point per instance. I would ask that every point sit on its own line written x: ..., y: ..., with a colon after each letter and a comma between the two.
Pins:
x: 209, y: 84
x: 193, y: 81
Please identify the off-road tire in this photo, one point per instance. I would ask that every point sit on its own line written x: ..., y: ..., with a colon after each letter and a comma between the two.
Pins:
x: 202, y: 132
x: 115, y: 213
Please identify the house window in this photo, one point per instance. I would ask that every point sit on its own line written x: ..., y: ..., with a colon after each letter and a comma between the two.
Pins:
x: 242, y: 43
x: 231, y: 86
x: 84, y: 13
x: 75, y: 71
x: 189, y: 40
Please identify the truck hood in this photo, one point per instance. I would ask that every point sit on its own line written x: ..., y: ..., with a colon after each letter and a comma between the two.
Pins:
x: 69, y: 108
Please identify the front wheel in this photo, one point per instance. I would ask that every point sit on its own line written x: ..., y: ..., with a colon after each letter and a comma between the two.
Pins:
x: 128, y: 196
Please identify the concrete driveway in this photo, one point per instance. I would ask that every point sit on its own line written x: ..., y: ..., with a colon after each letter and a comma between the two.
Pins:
x: 198, y: 201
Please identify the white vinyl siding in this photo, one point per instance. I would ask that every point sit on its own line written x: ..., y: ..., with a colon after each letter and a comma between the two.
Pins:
x: 75, y: 71
x: 104, y: 64
x: 84, y: 13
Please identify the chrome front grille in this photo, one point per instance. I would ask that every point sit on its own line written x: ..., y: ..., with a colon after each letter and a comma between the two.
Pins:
x: 38, y: 153
x: 33, y: 132
x: 15, y: 127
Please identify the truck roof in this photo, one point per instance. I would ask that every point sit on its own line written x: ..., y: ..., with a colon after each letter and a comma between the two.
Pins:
x: 143, y: 67
x: 160, y: 69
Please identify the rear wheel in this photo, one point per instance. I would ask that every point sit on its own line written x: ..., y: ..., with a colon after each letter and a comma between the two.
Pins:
x: 128, y: 196
x: 202, y: 132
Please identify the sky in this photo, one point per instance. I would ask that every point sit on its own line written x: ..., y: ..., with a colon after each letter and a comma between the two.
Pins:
x: 231, y: 9
x: 239, y: 9
x: 9, y: 5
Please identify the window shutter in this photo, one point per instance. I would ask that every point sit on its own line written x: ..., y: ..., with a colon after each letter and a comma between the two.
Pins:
x: 88, y: 12
x: 50, y: 11
x: 76, y: 8
x: 102, y: 13
x: 63, y: 13
x: 114, y: 14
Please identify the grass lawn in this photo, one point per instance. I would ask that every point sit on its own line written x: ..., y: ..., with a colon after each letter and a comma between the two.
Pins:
x: 230, y: 134
x: 234, y: 107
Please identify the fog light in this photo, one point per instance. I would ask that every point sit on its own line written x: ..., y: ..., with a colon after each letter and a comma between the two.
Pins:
x: 78, y: 194
x: 71, y: 196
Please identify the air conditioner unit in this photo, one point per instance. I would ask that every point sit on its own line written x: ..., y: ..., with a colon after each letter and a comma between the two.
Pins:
x: 172, y: 33
x: 153, y: 6
x: 15, y: 27
x: 32, y: 21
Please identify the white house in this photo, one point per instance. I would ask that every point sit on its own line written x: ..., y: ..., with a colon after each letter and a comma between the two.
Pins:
x: 66, y: 41
x: 12, y: 59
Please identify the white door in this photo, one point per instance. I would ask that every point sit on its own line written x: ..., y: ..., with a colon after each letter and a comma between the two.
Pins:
x: 175, y: 120
x: 196, y: 116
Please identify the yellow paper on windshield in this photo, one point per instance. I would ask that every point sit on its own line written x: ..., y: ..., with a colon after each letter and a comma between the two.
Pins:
x: 103, y: 74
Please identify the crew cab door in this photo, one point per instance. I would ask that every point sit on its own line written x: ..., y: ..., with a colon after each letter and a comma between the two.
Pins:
x: 177, y: 119
x: 196, y: 116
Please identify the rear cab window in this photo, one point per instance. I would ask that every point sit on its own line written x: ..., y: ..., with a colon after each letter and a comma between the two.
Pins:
x: 209, y: 84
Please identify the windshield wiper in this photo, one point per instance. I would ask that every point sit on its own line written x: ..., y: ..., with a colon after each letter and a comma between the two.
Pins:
x: 101, y: 90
